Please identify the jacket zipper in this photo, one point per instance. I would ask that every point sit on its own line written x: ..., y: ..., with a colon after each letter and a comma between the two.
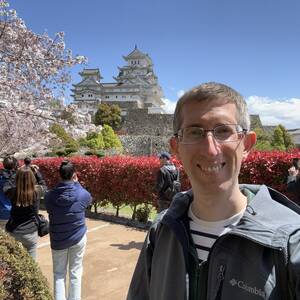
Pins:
x: 194, y: 294
x: 219, y: 284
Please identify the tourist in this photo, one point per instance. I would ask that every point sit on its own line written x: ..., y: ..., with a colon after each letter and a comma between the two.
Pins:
x: 293, y: 181
x: 219, y: 240
x: 36, y: 171
x: 166, y: 175
x: 25, y: 197
x: 8, y: 173
x: 66, y: 205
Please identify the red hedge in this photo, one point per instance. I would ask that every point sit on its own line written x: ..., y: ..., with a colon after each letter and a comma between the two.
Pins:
x: 131, y: 180
x: 269, y: 168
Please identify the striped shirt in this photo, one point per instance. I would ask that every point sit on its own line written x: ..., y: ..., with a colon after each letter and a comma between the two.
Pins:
x: 205, y: 233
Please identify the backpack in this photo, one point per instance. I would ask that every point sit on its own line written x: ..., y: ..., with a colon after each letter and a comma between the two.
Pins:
x: 174, y: 187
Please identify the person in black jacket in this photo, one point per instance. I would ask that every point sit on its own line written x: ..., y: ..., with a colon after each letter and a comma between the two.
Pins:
x: 164, y: 180
x: 25, y: 197
x: 293, y: 182
x: 219, y: 240
x: 7, y: 174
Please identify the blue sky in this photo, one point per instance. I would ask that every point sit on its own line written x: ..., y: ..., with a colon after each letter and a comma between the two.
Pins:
x: 254, y: 46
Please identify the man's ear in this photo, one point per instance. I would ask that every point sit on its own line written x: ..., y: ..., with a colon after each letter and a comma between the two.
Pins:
x: 74, y: 177
x: 173, y: 142
x: 249, y: 142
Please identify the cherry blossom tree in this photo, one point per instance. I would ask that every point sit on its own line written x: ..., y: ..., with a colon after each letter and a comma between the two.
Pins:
x: 34, y: 70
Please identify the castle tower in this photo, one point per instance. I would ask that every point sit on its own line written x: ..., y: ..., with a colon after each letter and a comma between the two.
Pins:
x: 87, y: 93
x: 136, y: 86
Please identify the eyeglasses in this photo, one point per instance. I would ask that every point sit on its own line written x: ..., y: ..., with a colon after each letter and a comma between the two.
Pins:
x: 221, y: 133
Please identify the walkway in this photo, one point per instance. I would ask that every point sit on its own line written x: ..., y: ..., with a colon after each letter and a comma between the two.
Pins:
x: 111, y: 254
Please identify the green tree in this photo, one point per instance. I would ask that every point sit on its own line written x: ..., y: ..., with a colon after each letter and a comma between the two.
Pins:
x: 111, y: 140
x: 70, y: 144
x: 281, y: 139
x: 278, y: 139
x: 109, y: 115
x: 262, y: 140
x: 95, y: 141
x: 288, y: 142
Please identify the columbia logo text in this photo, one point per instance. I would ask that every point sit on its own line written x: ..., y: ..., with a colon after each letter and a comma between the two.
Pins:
x: 250, y: 289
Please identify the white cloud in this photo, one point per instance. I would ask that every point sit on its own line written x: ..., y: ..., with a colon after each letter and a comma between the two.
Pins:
x: 274, y: 111
x: 270, y: 111
x: 169, y: 106
x: 180, y: 93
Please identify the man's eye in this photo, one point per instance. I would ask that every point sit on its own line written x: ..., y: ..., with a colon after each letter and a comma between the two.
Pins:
x: 224, y: 130
x: 195, y: 132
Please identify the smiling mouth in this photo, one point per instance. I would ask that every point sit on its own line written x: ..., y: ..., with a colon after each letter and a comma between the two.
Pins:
x: 212, y: 169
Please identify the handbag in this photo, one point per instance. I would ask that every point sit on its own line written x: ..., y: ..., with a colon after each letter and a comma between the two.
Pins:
x: 43, y: 225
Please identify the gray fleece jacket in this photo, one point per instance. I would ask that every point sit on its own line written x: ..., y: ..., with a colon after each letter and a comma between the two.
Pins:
x: 258, y: 259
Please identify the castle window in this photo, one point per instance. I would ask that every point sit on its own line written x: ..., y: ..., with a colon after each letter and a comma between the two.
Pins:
x: 106, y: 97
x: 82, y: 95
x: 116, y: 96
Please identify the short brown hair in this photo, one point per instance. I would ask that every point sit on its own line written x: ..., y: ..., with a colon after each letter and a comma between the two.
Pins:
x: 212, y: 91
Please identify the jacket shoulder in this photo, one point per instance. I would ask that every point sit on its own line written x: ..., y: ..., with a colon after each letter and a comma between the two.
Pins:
x: 275, y: 211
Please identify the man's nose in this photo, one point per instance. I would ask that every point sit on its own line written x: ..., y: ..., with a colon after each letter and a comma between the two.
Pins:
x: 210, y: 144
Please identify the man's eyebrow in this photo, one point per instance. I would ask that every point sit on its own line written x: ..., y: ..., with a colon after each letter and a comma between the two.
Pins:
x: 194, y: 125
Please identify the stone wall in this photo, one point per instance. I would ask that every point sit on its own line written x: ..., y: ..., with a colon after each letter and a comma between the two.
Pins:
x: 144, y: 145
x: 139, y: 122
x: 123, y: 104
x: 149, y: 134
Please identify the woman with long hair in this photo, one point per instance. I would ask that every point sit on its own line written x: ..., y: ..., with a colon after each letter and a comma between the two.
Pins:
x: 25, y: 197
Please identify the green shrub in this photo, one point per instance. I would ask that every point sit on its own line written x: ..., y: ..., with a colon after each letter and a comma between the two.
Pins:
x: 110, y: 139
x: 94, y: 141
x: 21, y: 277
x: 100, y: 153
x: 60, y: 152
x: 70, y: 145
x: 89, y: 152
x: 50, y: 154
x: 142, y: 213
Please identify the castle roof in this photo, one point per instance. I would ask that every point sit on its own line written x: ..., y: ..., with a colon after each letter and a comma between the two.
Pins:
x: 137, y: 54
x: 90, y: 72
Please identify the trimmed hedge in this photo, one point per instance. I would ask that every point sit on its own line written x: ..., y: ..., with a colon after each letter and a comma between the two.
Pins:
x: 126, y: 180
x: 20, y: 276
x: 269, y: 168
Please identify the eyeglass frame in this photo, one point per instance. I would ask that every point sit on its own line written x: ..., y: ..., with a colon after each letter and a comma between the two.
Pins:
x: 244, y: 131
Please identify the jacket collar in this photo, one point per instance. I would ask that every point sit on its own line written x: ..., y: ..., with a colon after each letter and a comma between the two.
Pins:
x: 268, y: 212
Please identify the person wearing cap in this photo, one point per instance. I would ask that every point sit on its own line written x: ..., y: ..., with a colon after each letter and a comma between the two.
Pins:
x: 165, y: 177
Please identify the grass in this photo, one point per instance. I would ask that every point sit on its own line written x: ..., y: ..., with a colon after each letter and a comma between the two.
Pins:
x: 125, y: 211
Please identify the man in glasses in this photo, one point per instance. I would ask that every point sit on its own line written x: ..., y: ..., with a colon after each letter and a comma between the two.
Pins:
x: 219, y: 240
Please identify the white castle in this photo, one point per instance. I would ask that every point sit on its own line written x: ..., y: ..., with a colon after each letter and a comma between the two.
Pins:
x: 136, y: 86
